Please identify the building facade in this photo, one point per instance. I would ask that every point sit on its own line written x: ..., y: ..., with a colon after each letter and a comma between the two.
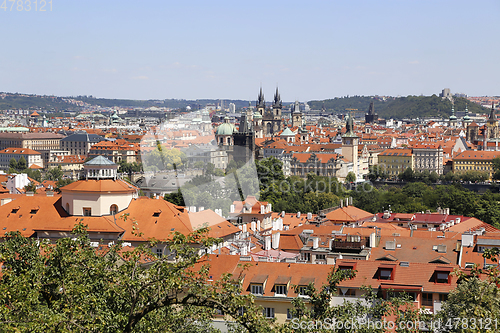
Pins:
x: 428, y: 157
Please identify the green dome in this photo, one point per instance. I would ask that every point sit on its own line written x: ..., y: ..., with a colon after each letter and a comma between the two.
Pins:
x: 287, y: 132
x: 257, y: 115
x: 225, y: 129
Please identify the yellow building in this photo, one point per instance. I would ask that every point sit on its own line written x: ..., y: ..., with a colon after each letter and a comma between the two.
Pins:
x: 396, y: 160
x: 476, y: 161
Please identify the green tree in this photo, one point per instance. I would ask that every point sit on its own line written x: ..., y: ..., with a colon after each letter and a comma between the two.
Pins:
x: 496, y: 168
x: 451, y: 177
x: 22, y: 164
x: 376, y: 172
x: 370, y: 306
x: 433, y: 177
x: 72, y: 286
x: 61, y: 183
x: 33, y: 174
x: 351, y: 177
x: 199, y: 165
x: 13, y: 164
x: 176, y: 198
x: 209, y: 169
x: 31, y: 187
x: 407, y: 175
x: 54, y: 173
x: 219, y: 173
x: 474, y: 299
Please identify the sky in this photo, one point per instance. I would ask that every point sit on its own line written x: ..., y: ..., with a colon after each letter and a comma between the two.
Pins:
x: 229, y: 49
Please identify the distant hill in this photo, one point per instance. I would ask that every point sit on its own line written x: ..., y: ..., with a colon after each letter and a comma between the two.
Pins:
x: 54, y: 103
x: 399, y: 108
x: 167, y: 103
x: 26, y: 102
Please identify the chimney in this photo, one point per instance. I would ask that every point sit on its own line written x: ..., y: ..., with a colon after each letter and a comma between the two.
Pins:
x: 276, y: 240
x: 244, y: 229
x: 309, y: 216
x: 231, y: 210
x: 262, y: 209
x: 315, y: 242
x: 298, y: 214
x: 267, y: 241
x: 258, y: 225
x: 253, y: 226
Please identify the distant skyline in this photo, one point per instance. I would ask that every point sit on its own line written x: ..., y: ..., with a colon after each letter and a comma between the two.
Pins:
x: 229, y: 49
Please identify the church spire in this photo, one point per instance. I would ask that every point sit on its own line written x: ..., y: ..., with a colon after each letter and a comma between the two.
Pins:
x: 277, y: 98
x: 260, y: 100
x: 493, y: 116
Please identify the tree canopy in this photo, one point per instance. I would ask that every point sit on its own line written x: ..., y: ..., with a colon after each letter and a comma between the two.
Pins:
x: 73, y: 286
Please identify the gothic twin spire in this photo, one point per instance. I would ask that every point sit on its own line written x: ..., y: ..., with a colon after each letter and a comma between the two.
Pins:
x: 261, y: 103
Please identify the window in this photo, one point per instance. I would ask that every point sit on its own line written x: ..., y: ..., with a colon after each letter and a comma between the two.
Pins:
x: 87, y: 211
x: 242, y: 311
x: 303, y: 290
x: 289, y: 315
x: 443, y: 297
x: 269, y: 312
x: 320, y: 257
x: 469, y: 265
x: 350, y: 292
x: 256, y: 289
x: 385, y: 274
x: 442, y: 277
x: 305, y: 256
x: 34, y: 211
x: 280, y: 290
x: 159, y: 253
x: 113, y: 209
x: 427, y: 299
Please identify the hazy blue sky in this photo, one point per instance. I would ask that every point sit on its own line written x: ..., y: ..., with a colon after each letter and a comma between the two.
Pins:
x: 228, y: 49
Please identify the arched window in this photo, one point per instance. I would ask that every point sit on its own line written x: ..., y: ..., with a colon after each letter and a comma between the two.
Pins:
x: 113, y: 209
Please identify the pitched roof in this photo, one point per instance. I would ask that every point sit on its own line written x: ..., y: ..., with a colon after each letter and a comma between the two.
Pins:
x: 415, y: 276
x: 348, y: 214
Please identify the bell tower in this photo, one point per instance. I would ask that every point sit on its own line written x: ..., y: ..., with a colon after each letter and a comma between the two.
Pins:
x: 261, y: 103
x: 350, y: 143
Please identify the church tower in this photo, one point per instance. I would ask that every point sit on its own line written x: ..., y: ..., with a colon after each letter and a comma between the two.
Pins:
x: 453, y: 118
x: 492, y: 124
x: 277, y: 106
x: 297, y: 115
x: 261, y: 103
x: 350, y: 145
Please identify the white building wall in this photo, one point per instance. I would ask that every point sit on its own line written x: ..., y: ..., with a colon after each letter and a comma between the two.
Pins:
x: 99, y: 203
